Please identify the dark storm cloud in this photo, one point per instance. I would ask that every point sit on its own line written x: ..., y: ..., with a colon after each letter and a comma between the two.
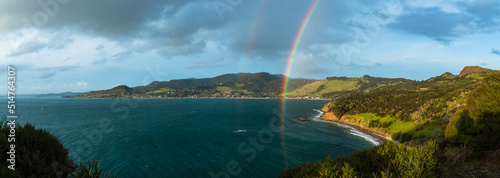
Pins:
x: 444, y: 27
x: 172, y: 28
x: 122, y: 21
x: 263, y: 29
x: 269, y: 28
x: 112, y: 19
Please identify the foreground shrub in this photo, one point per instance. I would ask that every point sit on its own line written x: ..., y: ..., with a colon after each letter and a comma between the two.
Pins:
x: 90, y: 170
x: 387, y: 160
x: 38, y: 153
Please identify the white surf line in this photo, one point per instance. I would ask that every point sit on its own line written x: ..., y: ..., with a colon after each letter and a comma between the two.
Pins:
x: 352, y: 130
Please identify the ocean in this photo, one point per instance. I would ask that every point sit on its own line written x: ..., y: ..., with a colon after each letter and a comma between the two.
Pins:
x: 191, y: 137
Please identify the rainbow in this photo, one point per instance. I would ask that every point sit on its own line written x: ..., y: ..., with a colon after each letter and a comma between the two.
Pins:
x: 288, y: 69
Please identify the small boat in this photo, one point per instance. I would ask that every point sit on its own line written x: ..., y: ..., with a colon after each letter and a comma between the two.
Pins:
x: 239, y: 131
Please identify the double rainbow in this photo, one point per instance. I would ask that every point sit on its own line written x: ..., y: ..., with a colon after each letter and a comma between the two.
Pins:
x: 288, y: 69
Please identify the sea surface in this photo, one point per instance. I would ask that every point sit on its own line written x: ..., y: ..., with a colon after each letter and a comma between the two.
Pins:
x: 191, y: 137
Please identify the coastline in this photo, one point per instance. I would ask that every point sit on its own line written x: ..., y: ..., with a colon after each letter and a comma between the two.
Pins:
x: 379, y: 138
x: 202, y: 98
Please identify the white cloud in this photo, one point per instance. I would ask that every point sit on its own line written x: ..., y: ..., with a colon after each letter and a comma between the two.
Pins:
x: 82, y: 84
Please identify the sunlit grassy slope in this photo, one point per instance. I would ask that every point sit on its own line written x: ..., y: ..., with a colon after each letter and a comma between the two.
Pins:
x: 161, y: 90
x: 396, y: 124
x: 318, y: 88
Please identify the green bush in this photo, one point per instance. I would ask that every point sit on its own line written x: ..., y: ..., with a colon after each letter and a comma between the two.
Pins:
x: 38, y: 153
x: 396, y: 136
x: 406, y: 137
x: 386, y: 160
x: 485, y: 98
x: 478, y: 125
x: 91, y: 169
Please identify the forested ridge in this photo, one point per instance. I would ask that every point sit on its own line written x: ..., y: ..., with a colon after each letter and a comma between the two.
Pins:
x: 448, y: 126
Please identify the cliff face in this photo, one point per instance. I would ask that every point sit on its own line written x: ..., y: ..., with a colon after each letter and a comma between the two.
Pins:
x: 353, y: 121
x: 474, y: 70
x: 328, y: 115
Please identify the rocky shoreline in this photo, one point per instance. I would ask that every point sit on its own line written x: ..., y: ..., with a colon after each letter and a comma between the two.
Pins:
x: 379, y: 137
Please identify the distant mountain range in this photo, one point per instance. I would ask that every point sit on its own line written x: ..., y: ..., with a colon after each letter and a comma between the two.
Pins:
x: 265, y: 85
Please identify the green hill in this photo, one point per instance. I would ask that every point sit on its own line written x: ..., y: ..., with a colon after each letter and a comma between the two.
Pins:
x: 250, y: 85
x: 265, y: 85
x: 241, y: 84
x: 448, y: 126
x: 321, y: 87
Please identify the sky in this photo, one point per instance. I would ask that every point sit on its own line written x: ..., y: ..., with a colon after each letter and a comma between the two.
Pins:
x: 79, y: 46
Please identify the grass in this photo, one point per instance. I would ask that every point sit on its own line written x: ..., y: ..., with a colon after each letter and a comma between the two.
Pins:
x: 329, y: 86
x: 396, y: 125
x: 161, y: 90
x: 238, y: 89
x: 224, y: 89
x: 432, y: 130
x: 429, y: 131
x: 477, y: 76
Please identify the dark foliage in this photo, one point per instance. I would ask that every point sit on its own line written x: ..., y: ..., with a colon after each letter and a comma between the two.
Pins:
x: 36, y: 150
x: 478, y: 126
x: 399, y: 103
x: 387, y: 160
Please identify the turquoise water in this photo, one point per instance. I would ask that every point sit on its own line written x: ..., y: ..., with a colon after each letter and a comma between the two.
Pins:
x: 190, y: 137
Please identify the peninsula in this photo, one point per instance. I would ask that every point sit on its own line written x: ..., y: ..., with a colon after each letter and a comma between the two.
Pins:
x: 447, y: 125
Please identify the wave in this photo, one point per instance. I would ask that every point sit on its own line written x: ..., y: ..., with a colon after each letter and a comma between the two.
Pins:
x: 320, y: 113
x: 365, y: 136
x: 352, y: 130
x: 239, y: 131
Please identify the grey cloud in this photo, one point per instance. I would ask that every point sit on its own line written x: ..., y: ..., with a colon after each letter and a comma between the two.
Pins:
x: 260, y: 28
x: 47, y: 75
x: 268, y: 29
x: 182, y: 50
x: 486, y: 14
x: 34, y: 46
x: 104, y: 18
x: 203, y: 64
x: 50, y: 72
x: 27, y: 47
x: 100, y: 61
x: 99, y: 48
x: 495, y: 51
x: 121, y: 21
x: 60, y: 68
x: 431, y: 22
x: 444, y: 27
x: 120, y: 56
